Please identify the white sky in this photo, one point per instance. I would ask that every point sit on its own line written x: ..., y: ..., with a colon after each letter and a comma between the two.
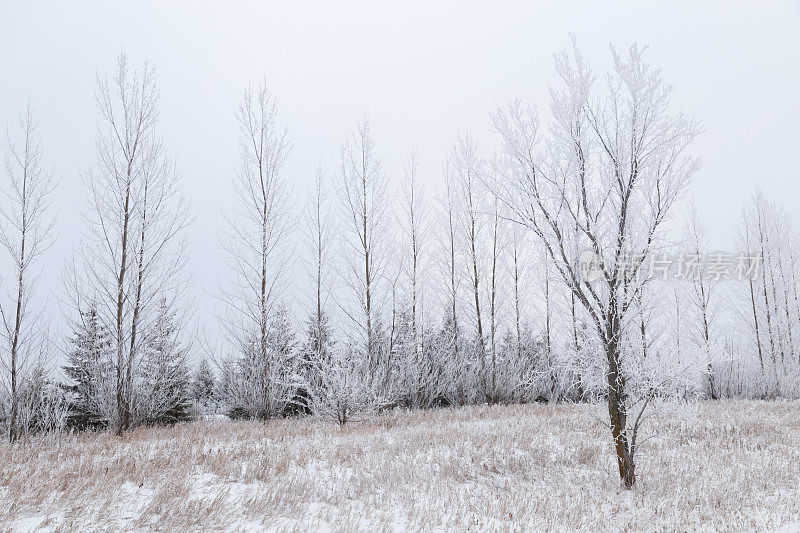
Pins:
x: 421, y: 71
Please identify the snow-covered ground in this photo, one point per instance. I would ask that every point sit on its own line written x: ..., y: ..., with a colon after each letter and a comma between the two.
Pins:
x: 730, y: 465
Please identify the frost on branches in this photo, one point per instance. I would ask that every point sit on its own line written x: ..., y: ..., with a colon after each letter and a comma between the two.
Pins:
x: 602, y: 176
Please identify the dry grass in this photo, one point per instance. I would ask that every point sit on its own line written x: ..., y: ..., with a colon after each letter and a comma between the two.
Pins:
x: 731, y: 465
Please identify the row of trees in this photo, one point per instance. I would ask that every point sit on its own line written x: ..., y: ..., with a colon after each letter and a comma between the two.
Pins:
x: 470, y: 293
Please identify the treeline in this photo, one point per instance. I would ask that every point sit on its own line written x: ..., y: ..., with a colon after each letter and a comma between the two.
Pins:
x: 464, y: 293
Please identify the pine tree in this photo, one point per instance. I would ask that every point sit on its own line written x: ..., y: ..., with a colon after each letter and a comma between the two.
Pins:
x: 264, y: 383
x: 203, y: 389
x: 319, y: 342
x: 283, y: 349
x: 315, y: 353
x: 88, y: 368
x: 165, y: 377
x: 408, y: 364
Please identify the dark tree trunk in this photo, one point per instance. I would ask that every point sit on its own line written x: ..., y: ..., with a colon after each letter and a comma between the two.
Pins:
x: 616, y: 403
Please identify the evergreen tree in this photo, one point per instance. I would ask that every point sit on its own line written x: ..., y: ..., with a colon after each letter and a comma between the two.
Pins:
x: 280, y: 337
x: 315, y: 354
x: 264, y: 383
x: 89, y: 369
x: 318, y: 344
x: 282, y: 346
x: 203, y: 389
x: 165, y: 377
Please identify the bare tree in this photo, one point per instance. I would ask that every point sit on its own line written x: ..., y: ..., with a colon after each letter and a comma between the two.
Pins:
x: 319, y: 232
x: 457, y: 363
x: 703, y: 299
x: 362, y: 191
x: 320, y: 236
x: 415, y: 223
x: 495, y: 262
x: 135, y: 251
x: 745, y: 239
x: 25, y: 234
x: 621, y: 159
x: 258, y: 251
x: 772, y: 299
x: 548, y: 333
x: 318, y: 350
x: 464, y: 168
x: 423, y: 367
x: 517, y: 254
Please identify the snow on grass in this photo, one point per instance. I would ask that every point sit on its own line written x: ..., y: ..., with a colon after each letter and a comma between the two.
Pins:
x: 732, y: 465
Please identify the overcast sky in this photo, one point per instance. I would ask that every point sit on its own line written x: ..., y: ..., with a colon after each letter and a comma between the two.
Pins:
x: 421, y: 71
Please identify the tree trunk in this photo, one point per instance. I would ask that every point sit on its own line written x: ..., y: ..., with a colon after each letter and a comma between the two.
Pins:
x: 122, y: 411
x: 12, y: 428
x: 616, y: 403
x: 547, y: 335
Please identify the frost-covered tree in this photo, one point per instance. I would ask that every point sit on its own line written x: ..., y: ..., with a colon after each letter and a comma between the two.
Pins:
x: 613, y: 165
x: 134, y: 251
x: 204, y: 387
x: 316, y: 353
x: 343, y: 394
x: 25, y: 234
x: 89, y: 370
x: 704, y: 298
x: 163, y: 380
x: 494, y: 290
x: 42, y: 405
x: 418, y: 367
x: 319, y: 333
x: 465, y: 172
x: 770, y: 305
x: 363, y: 194
x: 257, y: 249
x: 448, y: 342
x: 264, y: 383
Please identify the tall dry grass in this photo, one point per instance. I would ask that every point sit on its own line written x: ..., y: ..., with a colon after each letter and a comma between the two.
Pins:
x: 732, y: 465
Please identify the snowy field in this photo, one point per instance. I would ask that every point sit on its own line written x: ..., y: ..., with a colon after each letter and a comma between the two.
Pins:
x: 732, y: 465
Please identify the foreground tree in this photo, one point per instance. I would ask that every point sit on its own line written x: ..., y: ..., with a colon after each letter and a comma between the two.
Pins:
x: 134, y: 253
x: 613, y: 168
x: 25, y: 234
